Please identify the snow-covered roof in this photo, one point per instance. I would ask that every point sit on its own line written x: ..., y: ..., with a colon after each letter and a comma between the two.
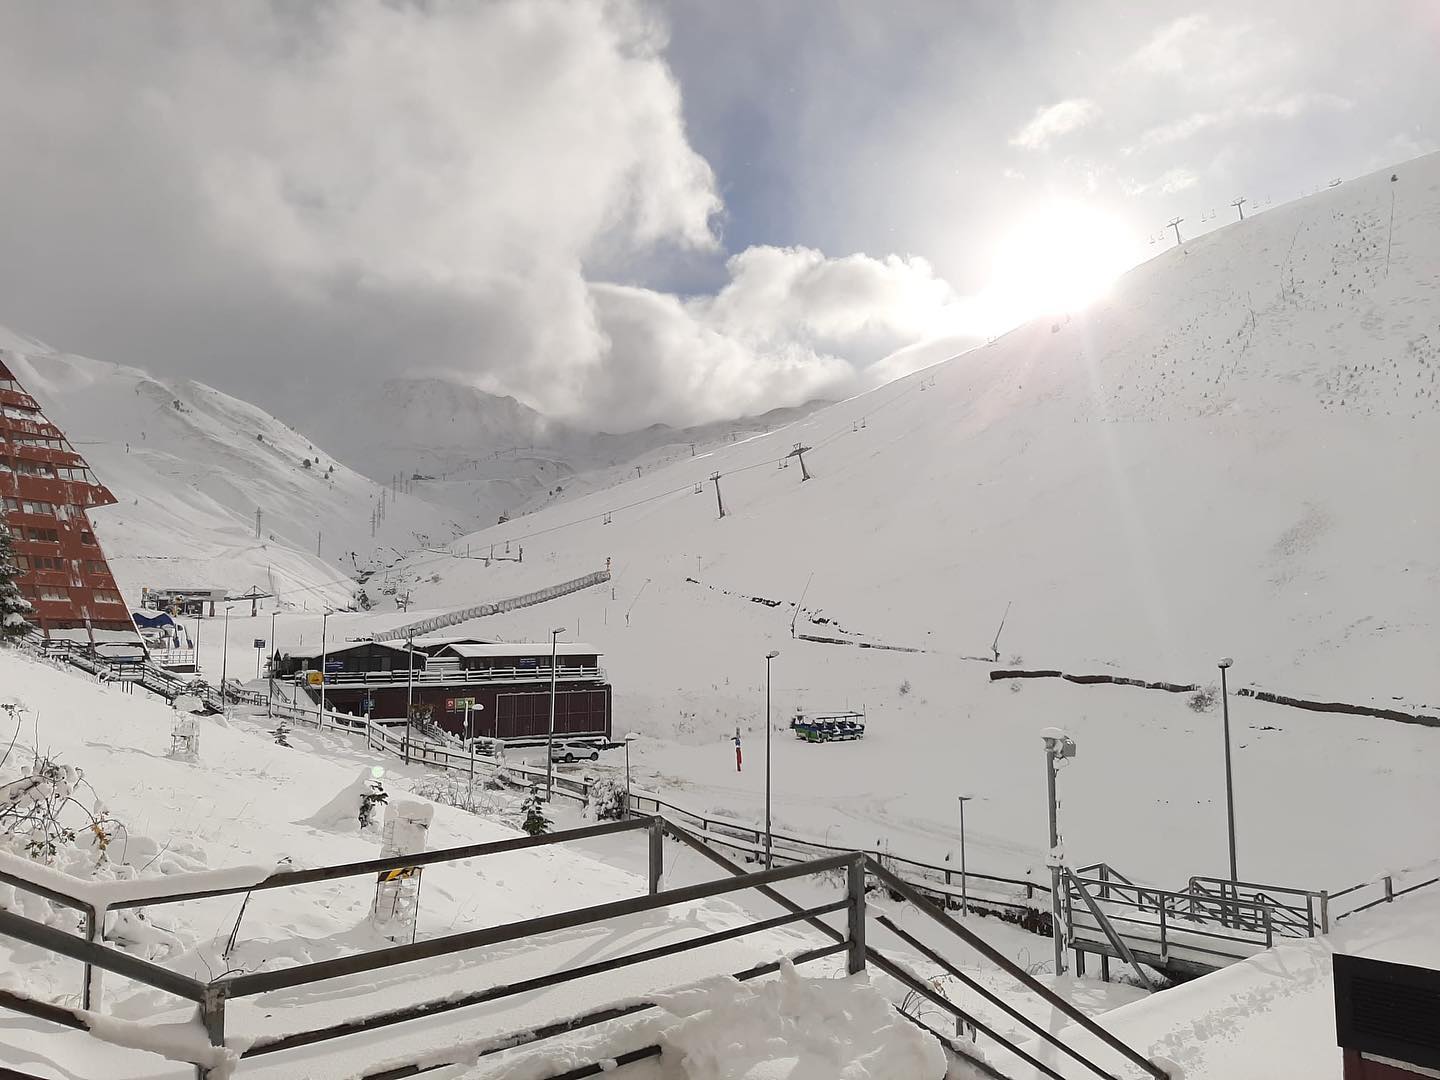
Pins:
x: 515, y: 648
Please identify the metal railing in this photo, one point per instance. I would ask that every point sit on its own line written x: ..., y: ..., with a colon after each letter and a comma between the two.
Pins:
x: 1210, y: 923
x: 212, y: 996
x: 926, y: 989
x: 455, y: 676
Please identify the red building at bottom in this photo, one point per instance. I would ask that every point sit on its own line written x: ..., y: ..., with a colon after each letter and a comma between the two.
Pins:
x: 46, y: 490
x: 502, y: 687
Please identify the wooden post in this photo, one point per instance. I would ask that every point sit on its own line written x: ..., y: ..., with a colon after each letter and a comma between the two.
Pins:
x: 90, y: 994
x: 657, y: 853
x: 855, y: 879
x: 212, y: 1015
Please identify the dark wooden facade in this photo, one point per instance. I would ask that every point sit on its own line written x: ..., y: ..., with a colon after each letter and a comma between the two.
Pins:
x: 508, y: 686
x: 46, y: 489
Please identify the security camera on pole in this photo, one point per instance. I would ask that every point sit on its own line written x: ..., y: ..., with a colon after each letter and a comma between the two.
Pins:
x: 1059, y: 748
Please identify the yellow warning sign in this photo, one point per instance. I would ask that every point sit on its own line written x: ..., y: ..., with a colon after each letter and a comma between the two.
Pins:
x: 400, y: 874
x: 314, y: 678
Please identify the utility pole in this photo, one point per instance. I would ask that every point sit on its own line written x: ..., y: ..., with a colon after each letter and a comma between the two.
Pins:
x: 719, y: 500
x: 1239, y: 205
x: 1058, y: 747
x: 1175, y: 224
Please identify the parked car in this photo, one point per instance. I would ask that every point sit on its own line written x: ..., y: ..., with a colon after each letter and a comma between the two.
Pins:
x: 575, y: 751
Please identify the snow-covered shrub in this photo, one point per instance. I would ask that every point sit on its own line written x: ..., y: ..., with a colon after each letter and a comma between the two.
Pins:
x: 42, y: 813
x: 1203, y: 700
x: 453, y: 789
x: 607, y: 800
x: 535, y: 822
x: 905, y: 688
x: 281, y: 734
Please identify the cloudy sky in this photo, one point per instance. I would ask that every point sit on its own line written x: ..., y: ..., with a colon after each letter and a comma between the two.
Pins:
x: 631, y: 210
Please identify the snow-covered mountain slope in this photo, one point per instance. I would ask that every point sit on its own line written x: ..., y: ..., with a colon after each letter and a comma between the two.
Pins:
x: 482, y: 455
x: 1231, y: 454
x: 191, y: 465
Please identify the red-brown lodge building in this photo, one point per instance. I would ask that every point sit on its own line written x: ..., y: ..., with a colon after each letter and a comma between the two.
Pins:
x: 505, y: 684
x: 45, y: 490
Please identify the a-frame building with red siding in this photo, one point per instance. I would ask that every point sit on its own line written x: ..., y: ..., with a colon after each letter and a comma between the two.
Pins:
x: 45, y: 490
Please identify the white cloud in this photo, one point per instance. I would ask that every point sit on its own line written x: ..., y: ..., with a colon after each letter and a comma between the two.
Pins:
x: 1167, y: 48
x: 1053, y: 121
x: 789, y: 325
x: 1177, y: 180
x: 369, y: 188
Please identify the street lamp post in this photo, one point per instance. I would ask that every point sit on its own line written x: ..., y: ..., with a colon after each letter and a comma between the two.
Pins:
x: 324, y: 657
x: 550, y: 736
x: 470, y: 708
x: 270, y: 701
x: 225, y: 665
x: 197, y: 644
x: 771, y: 655
x: 1224, y: 666
x: 409, y: 690
x: 964, y: 888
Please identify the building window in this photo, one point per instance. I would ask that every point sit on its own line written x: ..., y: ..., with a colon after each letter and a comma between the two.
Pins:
x: 45, y: 562
x: 105, y: 596
x: 54, y: 592
x: 12, y: 504
x: 22, y: 563
x: 94, y: 566
x: 85, y: 537
x: 34, y: 506
x: 49, y: 536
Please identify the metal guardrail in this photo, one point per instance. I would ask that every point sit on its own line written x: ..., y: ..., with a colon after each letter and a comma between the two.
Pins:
x: 455, y: 676
x: 212, y: 996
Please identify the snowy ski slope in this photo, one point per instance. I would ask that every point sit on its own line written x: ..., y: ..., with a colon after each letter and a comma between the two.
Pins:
x: 1228, y: 455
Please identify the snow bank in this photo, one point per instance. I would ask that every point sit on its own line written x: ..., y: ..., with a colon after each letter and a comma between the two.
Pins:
x: 790, y: 1027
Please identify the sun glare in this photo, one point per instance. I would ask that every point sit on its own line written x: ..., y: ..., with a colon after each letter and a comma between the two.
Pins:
x: 1060, y: 259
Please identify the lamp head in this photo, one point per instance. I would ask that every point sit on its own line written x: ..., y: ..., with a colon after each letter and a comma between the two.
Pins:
x: 772, y: 654
x: 1225, y: 661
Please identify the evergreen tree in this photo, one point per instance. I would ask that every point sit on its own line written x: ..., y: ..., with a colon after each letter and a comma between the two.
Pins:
x: 535, y: 821
x: 281, y: 734
x: 14, y: 608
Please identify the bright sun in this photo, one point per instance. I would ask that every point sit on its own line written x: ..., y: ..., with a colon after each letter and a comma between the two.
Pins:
x: 1059, y: 259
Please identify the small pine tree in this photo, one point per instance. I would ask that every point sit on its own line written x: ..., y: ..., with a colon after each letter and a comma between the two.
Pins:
x: 535, y: 822
x: 374, y: 795
x: 14, y: 608
x: 281, y: 734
